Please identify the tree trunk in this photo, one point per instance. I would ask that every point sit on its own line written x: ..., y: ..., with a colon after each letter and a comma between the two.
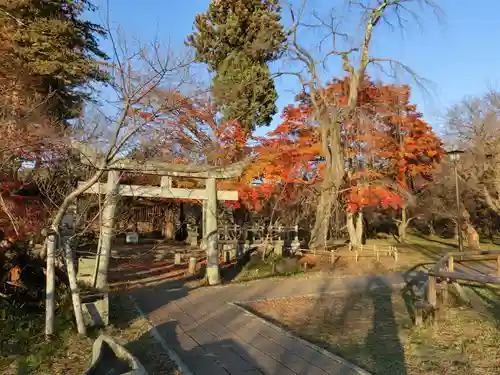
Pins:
x: 319, y: 234
x: 51, y: 249
x: 333, y: 175
x: 50, y: 286
x: 212, y: 272
x: 402, y: 226
x: 75, y: 294
x: 355, y: 230
x: 359, y: 227
x: 107, y: 230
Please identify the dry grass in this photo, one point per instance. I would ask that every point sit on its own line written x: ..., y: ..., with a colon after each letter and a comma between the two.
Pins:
x: 374, y: 330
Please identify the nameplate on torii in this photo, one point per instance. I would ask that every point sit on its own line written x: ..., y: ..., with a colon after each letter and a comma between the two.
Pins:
x: 163, y: 192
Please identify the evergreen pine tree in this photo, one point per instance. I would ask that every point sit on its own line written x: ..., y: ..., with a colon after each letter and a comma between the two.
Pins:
x: 48, y: 46
x: 237, y: 39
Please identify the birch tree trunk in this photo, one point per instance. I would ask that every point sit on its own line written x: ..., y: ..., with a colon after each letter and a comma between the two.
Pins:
x: 51, y: 249
x: 50, y: 286
x: 107, y: 230
x: 75, y: 294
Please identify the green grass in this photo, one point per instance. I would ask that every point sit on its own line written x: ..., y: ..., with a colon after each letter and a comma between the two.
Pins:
x: 272, y: 266
x: 23, y: 349
x: 419, y: 253
x: 374, y: 330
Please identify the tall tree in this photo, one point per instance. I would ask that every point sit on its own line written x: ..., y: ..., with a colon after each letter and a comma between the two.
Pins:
x: 53, y: 49
x: 390, y: 149
x: 237, y: 39
x: 355, y: 60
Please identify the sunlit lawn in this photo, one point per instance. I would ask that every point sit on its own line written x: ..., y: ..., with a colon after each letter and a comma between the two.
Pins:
x: 374, y: 330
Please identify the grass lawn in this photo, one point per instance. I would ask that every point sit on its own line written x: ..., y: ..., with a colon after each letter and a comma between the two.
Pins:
x: 23, y: 349
x: 374, y: 330
x: 420, y: 252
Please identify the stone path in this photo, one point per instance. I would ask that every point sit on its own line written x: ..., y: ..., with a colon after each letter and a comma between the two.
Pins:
x: 213, y: 336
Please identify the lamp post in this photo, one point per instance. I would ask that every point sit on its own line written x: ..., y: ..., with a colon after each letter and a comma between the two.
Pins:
x: 455, y: 157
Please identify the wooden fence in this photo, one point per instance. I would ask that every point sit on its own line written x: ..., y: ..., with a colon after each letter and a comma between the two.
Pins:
x: 258, y: 233
x: 362, y: 251
x: 445, y: 269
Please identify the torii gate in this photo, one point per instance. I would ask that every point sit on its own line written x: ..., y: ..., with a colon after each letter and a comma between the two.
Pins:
x: 210, y: 195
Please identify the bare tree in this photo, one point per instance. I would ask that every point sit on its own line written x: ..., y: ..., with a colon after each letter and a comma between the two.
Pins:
x: 120, y: 125
x: 474, y: 126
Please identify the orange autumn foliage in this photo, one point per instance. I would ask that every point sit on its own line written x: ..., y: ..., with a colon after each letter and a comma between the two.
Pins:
x: 387, y: 143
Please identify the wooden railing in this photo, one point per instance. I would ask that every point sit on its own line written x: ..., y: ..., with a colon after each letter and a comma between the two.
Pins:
x: 374, y: 251
x: 445, y: 269
x: 257, y: 233
x: 362, y: 251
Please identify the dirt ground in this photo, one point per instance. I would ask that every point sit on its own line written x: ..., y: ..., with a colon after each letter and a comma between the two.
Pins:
x: 375, y: 331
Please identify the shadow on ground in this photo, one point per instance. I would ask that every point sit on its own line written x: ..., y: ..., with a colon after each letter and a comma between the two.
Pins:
x: 225, y: 356
x: 361, y: 325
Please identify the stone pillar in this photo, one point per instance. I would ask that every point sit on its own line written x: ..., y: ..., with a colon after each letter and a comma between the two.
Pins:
x: 213, y: 274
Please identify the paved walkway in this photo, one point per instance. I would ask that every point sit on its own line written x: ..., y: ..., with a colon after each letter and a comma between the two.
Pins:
x: 213, y: 336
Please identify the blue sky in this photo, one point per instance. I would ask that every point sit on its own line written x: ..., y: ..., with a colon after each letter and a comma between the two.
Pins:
x: 459, y: 55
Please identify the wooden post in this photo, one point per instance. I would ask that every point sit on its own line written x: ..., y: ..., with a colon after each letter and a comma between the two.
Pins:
x: 431, y: 291
x: 444, y: 292
x: 212, y: 271
x: 498, y: 265
x: 451, y: 265
x: 50, y: 305
x: 203, y: 244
